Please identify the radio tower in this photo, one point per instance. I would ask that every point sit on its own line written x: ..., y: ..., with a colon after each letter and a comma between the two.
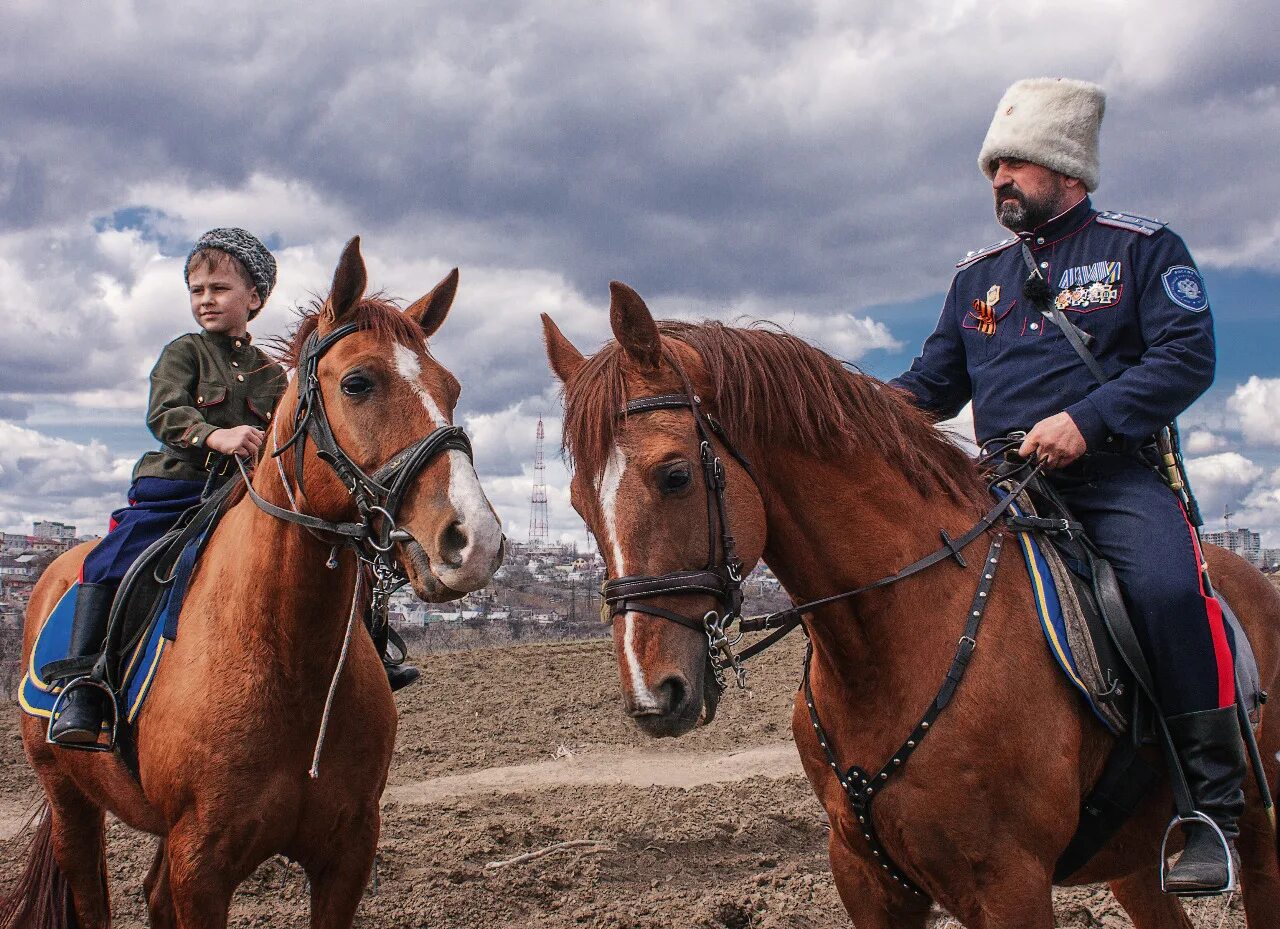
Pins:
x: 538, y: 499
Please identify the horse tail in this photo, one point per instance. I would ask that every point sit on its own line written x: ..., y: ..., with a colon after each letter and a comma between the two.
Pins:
x: 41, y: 899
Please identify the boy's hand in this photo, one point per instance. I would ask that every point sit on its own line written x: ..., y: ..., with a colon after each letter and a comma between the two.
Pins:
x: 241, y: 440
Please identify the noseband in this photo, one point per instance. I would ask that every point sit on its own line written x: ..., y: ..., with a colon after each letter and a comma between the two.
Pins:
x: 721, y: 578
x: 377, y: 497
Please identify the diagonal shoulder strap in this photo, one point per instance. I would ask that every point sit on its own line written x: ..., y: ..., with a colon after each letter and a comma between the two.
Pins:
x: 1050, y: 309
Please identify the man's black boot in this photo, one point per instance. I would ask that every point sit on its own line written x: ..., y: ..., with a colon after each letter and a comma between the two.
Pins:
x: 1211, y: 749
x: 80, y: 721
x: 401, y: 675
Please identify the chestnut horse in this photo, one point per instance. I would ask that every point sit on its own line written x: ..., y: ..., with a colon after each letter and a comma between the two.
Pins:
x: 225, y: 739
x: 850, y: 485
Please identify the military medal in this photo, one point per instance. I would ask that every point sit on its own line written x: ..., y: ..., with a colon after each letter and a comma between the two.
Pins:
x: 985, y: 311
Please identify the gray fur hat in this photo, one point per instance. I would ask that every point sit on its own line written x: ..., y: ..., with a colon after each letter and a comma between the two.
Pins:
x: 246, y: 248
x: 1052, y: 122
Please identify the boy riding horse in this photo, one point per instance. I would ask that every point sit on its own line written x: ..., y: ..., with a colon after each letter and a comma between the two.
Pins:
x: 1131, y: 291
x: 212, y: 395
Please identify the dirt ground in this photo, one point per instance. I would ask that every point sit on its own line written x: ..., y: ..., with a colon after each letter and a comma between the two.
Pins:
x: 503, y: 752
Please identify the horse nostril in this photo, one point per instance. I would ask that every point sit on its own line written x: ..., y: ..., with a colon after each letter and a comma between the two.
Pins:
x: 453, y: 541
x: 673, y: 692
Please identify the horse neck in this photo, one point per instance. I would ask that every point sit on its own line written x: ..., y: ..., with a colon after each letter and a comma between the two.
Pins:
x: 274, y: 593
x: 834, y: 526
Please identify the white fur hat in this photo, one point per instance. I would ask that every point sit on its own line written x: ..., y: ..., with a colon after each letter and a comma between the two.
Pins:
x: 1052, y: 122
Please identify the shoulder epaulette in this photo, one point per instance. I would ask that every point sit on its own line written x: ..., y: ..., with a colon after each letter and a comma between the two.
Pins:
x: 981, y: 253
x: 1131, y: 222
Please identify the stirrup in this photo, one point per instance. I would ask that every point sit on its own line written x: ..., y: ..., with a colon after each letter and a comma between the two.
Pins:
x: 1201, y: 818
x: 113, y: 710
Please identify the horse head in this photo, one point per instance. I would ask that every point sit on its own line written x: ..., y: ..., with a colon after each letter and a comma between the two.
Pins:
x: 366, y: 378
x: 679, y: 521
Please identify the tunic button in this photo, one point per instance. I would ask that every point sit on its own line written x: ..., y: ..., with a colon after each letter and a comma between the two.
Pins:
x: 1035, y: 326
x: 1040, y: 240
x: 1044, y: 264
x: 235, y: 364
x: 239, y: 377
x: 239, y: 344
x: 199, y: 399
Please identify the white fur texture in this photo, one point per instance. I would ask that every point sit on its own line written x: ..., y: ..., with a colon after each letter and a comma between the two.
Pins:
x: 1053, y: 122
x: 480, y: 525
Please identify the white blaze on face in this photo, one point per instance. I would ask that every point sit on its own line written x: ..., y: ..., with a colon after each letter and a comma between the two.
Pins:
x: 610, y: 481
x: 410, y: 369
x: 484, y: 533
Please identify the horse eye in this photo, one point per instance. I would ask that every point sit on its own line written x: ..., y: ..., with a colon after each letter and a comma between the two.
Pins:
x: 674, y: 480
x: 355, y: 385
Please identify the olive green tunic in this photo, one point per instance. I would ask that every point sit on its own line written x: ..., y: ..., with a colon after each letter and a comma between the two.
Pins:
x: 204, y: 381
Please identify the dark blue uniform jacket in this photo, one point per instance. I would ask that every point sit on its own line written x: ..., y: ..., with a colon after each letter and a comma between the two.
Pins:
x: 1127, y: 281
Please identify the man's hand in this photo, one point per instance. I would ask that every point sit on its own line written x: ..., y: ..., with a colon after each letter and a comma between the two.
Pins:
x: 241, y: 440
x: 1056, y: 441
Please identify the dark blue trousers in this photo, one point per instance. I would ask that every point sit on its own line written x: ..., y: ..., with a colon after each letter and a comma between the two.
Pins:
x: 1139, y: 526
x: 155, y: 503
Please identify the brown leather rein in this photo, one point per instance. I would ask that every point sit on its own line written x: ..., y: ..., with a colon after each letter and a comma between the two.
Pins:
x: 721, y: 577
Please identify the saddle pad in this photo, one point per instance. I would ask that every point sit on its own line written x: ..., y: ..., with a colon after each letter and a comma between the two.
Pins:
x: 1067, y: 635
x: 1054, y: 622
x: 37, y: 698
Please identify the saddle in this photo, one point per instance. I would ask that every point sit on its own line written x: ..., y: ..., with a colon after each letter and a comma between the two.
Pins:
x: 144, y: 614
x: 1093, y: 640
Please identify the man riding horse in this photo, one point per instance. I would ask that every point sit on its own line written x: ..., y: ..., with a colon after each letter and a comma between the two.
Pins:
x: 1136, y: 301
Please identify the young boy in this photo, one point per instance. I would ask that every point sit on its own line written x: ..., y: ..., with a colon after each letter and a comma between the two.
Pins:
x: 212, y: 394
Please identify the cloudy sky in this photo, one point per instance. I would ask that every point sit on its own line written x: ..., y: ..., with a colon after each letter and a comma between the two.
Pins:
x: 807, y: 162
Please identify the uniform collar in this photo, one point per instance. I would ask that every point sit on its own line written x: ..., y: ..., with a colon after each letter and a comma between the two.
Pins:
x: 1062, y: 225
x: 227, y: 343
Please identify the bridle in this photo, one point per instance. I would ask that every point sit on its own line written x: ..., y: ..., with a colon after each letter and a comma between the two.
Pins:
x: 377, y: 497
x: 721, y: 577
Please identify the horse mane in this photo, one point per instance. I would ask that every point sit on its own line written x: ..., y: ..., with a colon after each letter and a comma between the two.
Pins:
x: 376, y: 313
x: 768, y: 382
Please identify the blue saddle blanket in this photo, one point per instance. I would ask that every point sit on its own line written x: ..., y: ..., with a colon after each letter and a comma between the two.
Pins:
x: 37, y: 698
x: 138, y: 668
x: 1053, y: 622
x: 1052, y: 619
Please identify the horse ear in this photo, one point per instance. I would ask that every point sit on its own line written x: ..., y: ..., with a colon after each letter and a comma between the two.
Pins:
x: 429, y: 312
x: 566, y: 361
x: 633, y: 325
x: 349, y: 281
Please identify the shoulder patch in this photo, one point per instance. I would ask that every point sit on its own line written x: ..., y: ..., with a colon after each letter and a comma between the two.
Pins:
x: 981, y: 253
x: 1185, y: 287
x: 1130, y: 221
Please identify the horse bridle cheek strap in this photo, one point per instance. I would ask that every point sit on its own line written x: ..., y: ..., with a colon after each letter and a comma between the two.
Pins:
x: 377, y: 497
x: 721, y: 578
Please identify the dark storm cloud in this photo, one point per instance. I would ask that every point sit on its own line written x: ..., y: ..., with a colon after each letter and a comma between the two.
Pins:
x: 790, y: 150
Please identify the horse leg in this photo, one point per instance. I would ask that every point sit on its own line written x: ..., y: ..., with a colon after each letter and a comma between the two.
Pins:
x: 1014, y: 904
x: 1148, y: 907
x: 79, y: 847
x: 155, y: 887
x: 200, y: 882
x: 868, y: 905
x: 338, y: 883
x: 1260, y: 877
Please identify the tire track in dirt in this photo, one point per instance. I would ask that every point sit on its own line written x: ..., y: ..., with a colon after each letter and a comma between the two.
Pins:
x: 627, y: 768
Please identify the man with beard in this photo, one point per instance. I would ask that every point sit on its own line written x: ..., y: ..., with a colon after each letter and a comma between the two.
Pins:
x: 1131, y: 290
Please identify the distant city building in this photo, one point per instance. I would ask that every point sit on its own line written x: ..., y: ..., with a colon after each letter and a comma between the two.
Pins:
x: 1271, y: 558
x: 15, y: 542
x: 1246, y: 544
x: 47, y: 529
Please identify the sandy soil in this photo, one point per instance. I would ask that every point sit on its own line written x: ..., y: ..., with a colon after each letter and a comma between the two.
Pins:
x: 509, y: 751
